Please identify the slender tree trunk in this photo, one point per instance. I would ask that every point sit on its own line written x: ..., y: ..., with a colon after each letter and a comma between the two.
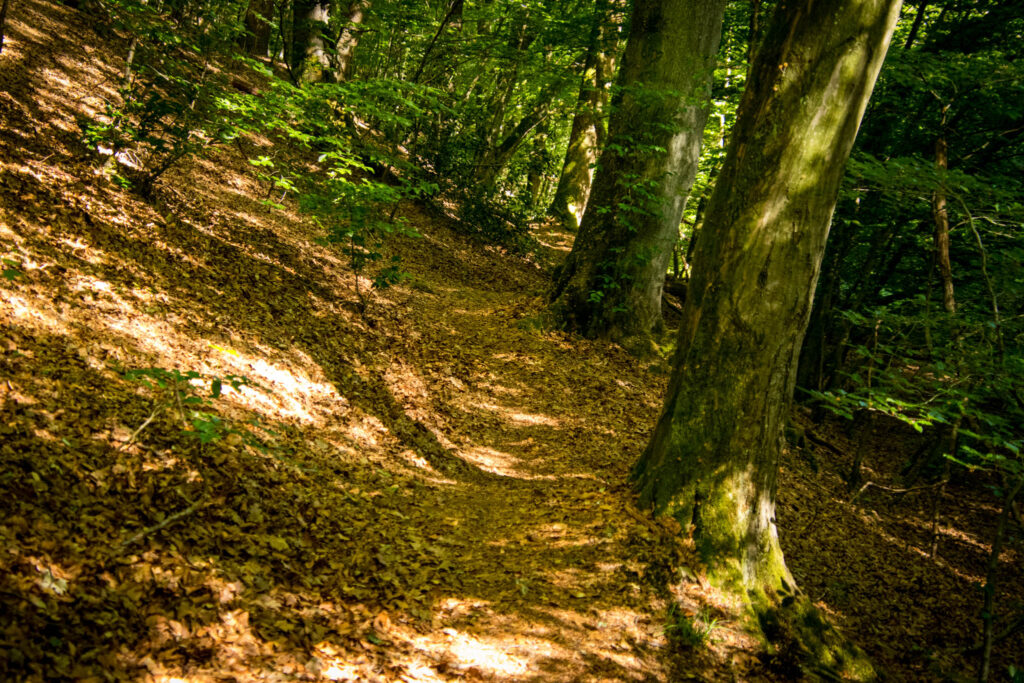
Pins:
x: 496, y: 157
x: 915, y: 28
x: 538, y: 164
x: 258, y: 28
x: 3, y: 22
x: 611, y: 283
x: 581, y: 153
x: 713, y: 459
x: 940, y: 215
x: 991, y: 575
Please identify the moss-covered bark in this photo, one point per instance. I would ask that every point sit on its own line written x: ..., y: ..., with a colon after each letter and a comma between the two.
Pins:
x: 611, y: 283
x: 713, y: 458
x: 587, y: 132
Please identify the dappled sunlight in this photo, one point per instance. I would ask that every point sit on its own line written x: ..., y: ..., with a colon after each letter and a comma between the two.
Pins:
x: 519, y: 418
x: 415, y: 483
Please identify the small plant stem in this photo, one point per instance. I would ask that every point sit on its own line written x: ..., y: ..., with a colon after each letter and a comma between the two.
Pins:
x: 181, y: 408
x: 135, y: 434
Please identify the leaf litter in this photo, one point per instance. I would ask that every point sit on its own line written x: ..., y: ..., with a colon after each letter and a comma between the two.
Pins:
x: 431, y: 491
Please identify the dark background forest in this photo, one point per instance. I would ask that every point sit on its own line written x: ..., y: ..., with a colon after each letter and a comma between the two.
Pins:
x: 477, y: 340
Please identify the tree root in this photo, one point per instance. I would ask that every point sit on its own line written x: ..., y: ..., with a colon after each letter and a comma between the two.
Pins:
x: 803, y: 644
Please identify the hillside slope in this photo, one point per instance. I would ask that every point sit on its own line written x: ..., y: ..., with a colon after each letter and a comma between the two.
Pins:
x: 432, y: 489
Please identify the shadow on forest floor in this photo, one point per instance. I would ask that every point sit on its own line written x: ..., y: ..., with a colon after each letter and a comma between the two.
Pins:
x: 432, y: 490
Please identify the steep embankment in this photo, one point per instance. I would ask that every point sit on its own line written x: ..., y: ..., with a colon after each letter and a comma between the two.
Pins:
x: 431, y: 490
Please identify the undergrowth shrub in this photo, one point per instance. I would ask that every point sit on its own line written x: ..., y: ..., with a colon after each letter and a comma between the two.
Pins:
x: 171, y: 91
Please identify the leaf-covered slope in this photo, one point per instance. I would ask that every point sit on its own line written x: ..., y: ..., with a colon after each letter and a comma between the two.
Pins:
x: 430, y: 490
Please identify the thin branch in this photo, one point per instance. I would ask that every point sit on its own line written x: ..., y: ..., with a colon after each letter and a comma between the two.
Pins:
x: 889, y: 489
x: 135, y: 434
x: 167, y: 522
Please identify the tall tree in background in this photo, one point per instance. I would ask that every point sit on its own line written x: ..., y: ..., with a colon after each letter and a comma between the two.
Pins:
x: 587, y: 135
x: 712, y: 461
x: 309, y: 55
x: 611, y: 283
x: 348, y: 38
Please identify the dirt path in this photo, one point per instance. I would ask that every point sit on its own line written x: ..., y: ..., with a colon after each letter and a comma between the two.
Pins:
x: 432, y: 490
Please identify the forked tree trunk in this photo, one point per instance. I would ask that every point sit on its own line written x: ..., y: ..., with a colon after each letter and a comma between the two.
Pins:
x: 712, y: 461
x: 611, y: 283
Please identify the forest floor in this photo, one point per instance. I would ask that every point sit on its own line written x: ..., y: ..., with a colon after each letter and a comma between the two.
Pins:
x: 430, y: 489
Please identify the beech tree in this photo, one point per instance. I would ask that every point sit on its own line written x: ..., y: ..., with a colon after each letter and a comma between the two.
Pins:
x: 611, y: 283
x: 586, y: 137
x: 712, y: 460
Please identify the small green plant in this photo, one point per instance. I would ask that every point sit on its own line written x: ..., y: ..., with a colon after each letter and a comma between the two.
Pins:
x: 689, y: 630
x: 11, y: 269
x: 170, y: 98
x: 179, y: 392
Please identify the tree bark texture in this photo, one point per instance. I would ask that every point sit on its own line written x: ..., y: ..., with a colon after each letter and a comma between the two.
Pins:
x: 611, y: 283
x: 348, y: 39
x: 940, y: 214
x: 713, y: 458
x: 309, y: 58
x: 587, y: 130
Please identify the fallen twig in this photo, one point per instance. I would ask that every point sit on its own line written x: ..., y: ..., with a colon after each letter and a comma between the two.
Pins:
x: 167, y: 522
x: 889, y: 489
x: 135, y: 434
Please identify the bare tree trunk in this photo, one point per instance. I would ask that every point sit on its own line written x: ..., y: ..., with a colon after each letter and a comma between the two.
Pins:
x: 348, y: 39
x: 940, y: 215
x: 713, y: 459
x: 611, y: 283
x: 587, y: 129
x: 3, y: 22
x: 991, y: 576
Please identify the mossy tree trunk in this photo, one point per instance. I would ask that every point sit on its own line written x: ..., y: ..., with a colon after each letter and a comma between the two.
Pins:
x: 611, y: 283
x: 587, y: 133
x: 309, y: 56
x: 713, y: 458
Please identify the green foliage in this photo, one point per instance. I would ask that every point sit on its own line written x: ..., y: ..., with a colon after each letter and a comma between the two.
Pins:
x: 179, y: 391
x: 504, y: 223
x: 690, y: 631
x: 168, y: 105
x: 11, y: 269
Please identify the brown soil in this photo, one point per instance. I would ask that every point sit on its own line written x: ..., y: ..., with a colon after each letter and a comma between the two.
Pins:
x: 432, y: 489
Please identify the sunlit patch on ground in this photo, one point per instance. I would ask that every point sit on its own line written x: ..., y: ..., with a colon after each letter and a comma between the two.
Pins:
x: 424, y: 489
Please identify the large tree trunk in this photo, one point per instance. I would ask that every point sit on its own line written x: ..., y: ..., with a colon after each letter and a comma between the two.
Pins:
x: 712, y: 461
x: 309, y: 58
x: 348, y: 39
x: 587, y: 131
x: 258, y: 28
x: 610, y: 285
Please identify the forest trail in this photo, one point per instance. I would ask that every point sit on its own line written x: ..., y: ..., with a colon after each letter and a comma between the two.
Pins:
x: 430, y: 489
